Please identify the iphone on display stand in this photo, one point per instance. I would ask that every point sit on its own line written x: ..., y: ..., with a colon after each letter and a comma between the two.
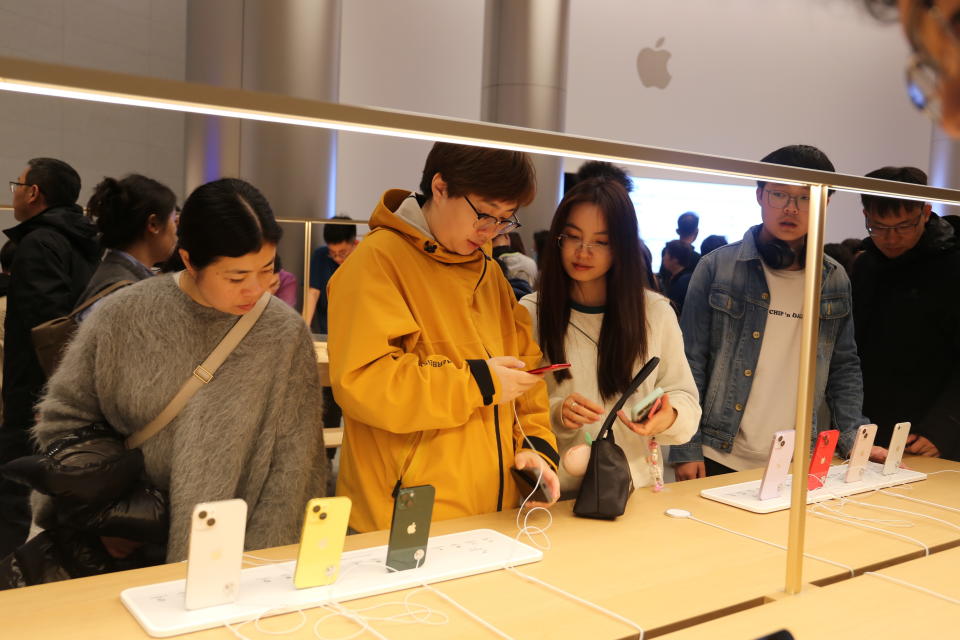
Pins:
x: 898, y: 442
x: 321, y: 541
x: 822, y: 455
x: 778, y: 464
x: 216, y: 553
x: 410, y: 528
x: 861, y: 452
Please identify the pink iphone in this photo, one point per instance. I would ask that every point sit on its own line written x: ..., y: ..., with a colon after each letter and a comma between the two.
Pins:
x: 861, y: 452
x: 822, y: 455
x: 781, y: 452
x: 898, y: 442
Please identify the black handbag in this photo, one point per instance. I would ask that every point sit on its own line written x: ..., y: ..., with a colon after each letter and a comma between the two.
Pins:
x: 608, y: 483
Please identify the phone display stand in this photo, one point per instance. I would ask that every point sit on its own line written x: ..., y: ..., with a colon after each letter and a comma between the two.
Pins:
x: 745, y: 495
x: 159, y: 608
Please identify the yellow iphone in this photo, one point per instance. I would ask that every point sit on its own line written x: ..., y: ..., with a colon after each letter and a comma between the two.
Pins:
x: 321, y: 542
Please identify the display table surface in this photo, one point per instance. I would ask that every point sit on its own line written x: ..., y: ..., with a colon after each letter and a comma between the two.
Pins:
x: 661, y: 572
x: 864, y: 608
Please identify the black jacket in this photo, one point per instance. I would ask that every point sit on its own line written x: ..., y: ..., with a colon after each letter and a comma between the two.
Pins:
x: 906, y: 314
x: 57, y: 252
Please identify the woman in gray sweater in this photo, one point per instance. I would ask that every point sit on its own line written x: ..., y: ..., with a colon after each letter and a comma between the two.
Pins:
x: 255, y: 431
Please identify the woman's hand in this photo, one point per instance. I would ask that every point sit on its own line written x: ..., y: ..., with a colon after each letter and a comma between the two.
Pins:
x: 659, y: 422
x: 548, y: 480
x: 577, y: 410
x: 513, y: 382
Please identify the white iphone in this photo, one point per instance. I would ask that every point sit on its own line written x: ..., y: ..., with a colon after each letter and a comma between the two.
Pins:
x: 898, y: 442
x: 778, y: 465
x: 216, y: 553
x: 861, y: 452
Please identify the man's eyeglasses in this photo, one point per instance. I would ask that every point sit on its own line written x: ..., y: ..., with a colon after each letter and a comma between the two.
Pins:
x: 573, y: 243
x: 486, y: 222
x: 923, y: 72
x: 899, y: 229
x: 780, y: 199
x: 14, y: 185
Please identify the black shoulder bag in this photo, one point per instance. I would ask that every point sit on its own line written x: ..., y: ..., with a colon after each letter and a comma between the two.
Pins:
x: 607, y: 484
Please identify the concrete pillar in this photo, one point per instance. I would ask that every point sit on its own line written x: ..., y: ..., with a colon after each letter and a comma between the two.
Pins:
x: 280, y: 46
x: 525, y: 83
x: 944, y: 166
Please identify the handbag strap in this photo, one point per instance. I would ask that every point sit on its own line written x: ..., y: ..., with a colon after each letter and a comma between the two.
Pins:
x: 642, y: 375
x: 103, y: 293
x: 202, y: 374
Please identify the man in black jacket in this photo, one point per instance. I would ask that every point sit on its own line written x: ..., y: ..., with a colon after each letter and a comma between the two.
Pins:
x: 57, y: 252
x: 906, y: 308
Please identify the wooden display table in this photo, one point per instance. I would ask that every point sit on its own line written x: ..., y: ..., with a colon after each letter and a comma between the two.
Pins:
x: 864, y: 608
x: 663, y: 573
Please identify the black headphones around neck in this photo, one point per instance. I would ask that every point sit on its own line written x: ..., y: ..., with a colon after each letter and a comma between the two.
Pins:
x: 776, y: 253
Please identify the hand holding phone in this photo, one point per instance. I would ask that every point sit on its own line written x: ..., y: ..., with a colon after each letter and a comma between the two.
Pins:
x: 648, y: 405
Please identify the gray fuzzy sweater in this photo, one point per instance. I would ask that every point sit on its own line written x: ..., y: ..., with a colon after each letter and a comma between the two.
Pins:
x: 254, y: 432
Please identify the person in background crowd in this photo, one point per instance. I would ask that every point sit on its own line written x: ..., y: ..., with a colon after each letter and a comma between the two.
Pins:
x: 253, y: 431
x: 906, y: 310
x: 508, y: 250
x: 57, y: 252
x: 539, y: 237
x: 137, y: 220
x: 688, y: 228
x: 427, y: 343
x: 340, y: 240
x: 841, y: 254
x: 6, y: 260
x: 590, y: 311
x: 741, y: 327
x: 284, y: 284
x: 678, y: 260
x: 712, y: 242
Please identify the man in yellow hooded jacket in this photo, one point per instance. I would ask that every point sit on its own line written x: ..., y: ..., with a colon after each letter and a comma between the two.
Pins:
x: 428, y: 345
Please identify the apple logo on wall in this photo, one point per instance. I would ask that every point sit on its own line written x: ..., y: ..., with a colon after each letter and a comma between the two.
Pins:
x: 652, y: 66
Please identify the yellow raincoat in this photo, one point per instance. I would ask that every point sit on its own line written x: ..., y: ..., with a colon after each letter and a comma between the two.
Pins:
x: 410, y: 328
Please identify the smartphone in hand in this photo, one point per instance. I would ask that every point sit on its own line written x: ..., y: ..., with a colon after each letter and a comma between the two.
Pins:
x: 550, y: 367
x: 648, y: 405
x: 527, y: 483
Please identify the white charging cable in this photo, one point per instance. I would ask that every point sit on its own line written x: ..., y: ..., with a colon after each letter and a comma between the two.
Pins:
x: 683, y: 513
x: 910, y: 585
x: 919, y: 501
x: 529, y: 531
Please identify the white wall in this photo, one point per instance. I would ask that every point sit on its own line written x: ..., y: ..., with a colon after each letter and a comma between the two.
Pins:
x: 145, y: 37
x: 749, y: 76
x: 417, y: 55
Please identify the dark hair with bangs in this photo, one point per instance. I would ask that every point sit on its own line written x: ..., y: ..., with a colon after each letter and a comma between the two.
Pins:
x: 493, y: 174
x: 623, y: 334
x: 225, y: 218
x: 882, y: 206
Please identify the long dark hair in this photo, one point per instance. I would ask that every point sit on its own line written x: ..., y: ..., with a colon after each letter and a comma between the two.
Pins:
x: 623, y: 334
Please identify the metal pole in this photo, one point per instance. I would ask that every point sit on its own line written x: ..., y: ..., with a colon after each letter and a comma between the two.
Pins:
x: 307, y: 254
x: 806, y: 383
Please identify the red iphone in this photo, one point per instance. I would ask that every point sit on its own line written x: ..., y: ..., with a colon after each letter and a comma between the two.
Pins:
x: 550, y: 367
x: 822, y: 455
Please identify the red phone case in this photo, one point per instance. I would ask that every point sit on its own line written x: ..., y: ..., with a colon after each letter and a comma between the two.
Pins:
x: 822, y: 455
x: 550, y: 367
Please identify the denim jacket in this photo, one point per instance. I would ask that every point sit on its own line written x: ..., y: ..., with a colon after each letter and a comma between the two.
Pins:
x: 723, y: 321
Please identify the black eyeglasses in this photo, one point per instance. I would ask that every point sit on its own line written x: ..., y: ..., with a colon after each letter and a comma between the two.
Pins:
x: 14, y: 185
x: 900, y: 229
x: 486, y: 222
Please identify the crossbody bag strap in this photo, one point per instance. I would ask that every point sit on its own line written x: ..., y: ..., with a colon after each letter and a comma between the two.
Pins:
x: 642, y: 375
x: 202, y: 374
x: 103, y: 293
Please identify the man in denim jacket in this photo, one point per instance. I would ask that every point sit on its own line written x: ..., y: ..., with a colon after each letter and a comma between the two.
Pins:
x: 741, y: 328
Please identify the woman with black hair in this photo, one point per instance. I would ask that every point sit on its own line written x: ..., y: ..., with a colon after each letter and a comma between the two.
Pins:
x: 137, y: 221
x: 254, y: 430
x: 593, y: 310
